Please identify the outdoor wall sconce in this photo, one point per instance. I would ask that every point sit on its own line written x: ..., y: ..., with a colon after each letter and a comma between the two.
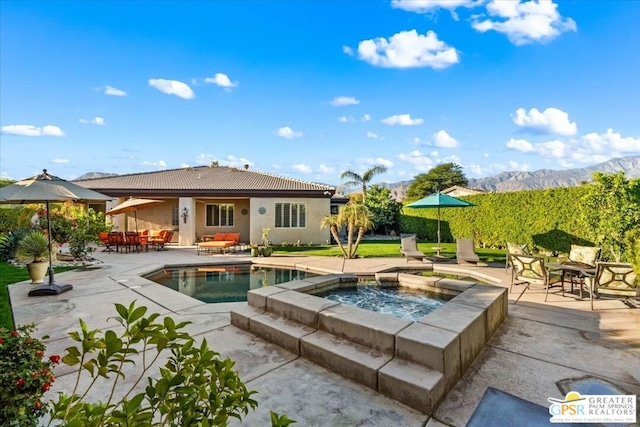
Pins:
x: 185, y: 214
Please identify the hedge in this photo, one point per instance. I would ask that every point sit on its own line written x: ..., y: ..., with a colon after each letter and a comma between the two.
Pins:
x: 545, y: 219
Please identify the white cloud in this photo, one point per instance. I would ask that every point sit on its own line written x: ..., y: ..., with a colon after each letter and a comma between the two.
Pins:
x: 419, y: 161
x: 230, y: 160
x: 520, y: 145
x: 346, y: 119
x: 110, y: 90
x: 302, y: 168
x: 366, y: 118
x: 325, y: 169
x: 159, y: 163
x: 373, y: 135
x: 443, y: 140
x: 60, y: 161
x: 408, y: 49
x: 611, y: 142
x: 95, y: 121
x: 172, y: 87
x: 30, y: 130
x: 366, y: 162
x: 346, y: 49
x: 426, y: 6
x: 221, y: 80
x: 340, y: 101
x: 184, y: 165
x: 525, y: 21
x: 288, y: 133
x: 402, y: 120
x: 551, y: 120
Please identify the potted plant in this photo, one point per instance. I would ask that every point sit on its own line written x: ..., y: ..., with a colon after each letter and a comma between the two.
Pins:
x: 34, y: 249
x: 266, y: 250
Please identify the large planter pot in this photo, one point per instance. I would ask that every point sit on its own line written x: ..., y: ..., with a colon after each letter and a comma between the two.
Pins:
x: 267, y: 251
x: 37, y: 271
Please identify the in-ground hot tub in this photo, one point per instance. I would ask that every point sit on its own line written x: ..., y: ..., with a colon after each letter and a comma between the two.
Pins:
x: 416, y: 363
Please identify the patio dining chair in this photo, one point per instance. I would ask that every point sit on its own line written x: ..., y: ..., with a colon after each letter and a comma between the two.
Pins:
x: 409, y: 248
x: 515, y: 249
x: 531, y: 270
x: 613, y: 279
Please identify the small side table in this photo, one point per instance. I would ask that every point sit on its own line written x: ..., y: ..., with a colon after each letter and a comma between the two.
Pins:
x: 437, y: 249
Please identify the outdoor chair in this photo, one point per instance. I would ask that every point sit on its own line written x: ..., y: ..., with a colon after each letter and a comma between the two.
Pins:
x: 582, y: 256
x: 409, y: 248
x: 132, y: 241
x: 104, y: 239
x: 516, y: 249
x: 161, y: 240
x: 615, y: 279
x: 115, y: 239
x: 465, y: 252
x: 531, y: 270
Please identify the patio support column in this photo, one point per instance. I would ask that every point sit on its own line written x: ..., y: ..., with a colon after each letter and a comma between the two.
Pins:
x: 187, y: 221
x: 118, y: 221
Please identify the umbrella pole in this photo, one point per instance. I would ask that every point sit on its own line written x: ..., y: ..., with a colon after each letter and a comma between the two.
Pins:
x: 51, y: 288
x: 438, y: 226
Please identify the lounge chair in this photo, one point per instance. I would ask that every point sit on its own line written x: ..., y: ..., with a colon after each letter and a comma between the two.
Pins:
x: 531, y: 270
x: 615, y: 279
x: 515, y: 249
x: 161, y: 240
x: 465, y: 252
x: 409, y: 248
x: 221, y: 242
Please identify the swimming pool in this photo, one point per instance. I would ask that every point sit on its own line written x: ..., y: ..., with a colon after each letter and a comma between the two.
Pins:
x: 406, y: 303
x: 223, y: 283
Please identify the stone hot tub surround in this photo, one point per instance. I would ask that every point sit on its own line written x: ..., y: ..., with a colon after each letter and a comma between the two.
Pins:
x: 416, y: 363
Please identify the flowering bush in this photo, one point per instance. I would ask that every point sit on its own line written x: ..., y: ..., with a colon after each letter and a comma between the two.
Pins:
x: 25, y: 375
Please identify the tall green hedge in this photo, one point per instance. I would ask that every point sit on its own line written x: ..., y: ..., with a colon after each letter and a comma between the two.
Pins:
x: 545, y: 219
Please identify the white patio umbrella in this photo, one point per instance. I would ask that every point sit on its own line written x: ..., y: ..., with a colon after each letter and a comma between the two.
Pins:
x: 45, y: 188
x: 133, y: 205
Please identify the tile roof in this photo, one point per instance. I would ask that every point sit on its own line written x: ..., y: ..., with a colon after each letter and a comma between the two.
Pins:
x: 203, y: 179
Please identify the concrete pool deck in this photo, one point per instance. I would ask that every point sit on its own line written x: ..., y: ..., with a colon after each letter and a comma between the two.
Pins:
x: 538, y: 348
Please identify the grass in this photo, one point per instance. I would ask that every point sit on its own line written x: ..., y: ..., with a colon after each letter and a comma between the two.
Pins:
x: 10, y: 274
x: 390, y: 249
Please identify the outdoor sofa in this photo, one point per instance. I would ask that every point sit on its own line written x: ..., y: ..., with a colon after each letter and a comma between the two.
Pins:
x: 220, y: 242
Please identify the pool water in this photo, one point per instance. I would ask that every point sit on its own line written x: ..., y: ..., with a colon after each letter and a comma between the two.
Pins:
x: 223, y: 283
x: 401, y: 302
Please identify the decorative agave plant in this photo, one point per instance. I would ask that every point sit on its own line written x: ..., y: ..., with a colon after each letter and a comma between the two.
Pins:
x: 34, y: 247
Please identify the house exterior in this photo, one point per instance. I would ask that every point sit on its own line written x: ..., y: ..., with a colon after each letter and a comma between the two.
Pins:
x: 457, y: 191
x: 201, y: 201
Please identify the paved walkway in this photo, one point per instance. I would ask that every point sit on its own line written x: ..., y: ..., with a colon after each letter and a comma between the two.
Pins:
x: 539, y: 347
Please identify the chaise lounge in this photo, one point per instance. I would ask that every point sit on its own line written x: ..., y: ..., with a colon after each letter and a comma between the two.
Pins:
x: 220, y: 242
x: 409, y: 248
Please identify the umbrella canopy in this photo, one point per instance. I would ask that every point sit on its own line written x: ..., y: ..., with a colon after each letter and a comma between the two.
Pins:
x: 45, y: 188
x: 133, y: 205
x: 439, y: 200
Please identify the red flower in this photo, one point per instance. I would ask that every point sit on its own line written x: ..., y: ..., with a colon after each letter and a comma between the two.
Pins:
x: 37, y: 405
x: 14, y: 333
x: 34, y: 375
x: 40, y: 353
x: 45, y: 371
x: 20, y: 382
x: 46, y: 386
x: 54, y: 358
x: 1, y: 340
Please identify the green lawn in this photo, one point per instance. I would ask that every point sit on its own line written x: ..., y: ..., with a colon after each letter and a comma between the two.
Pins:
x: 8, y: 275
x: 390, y: 248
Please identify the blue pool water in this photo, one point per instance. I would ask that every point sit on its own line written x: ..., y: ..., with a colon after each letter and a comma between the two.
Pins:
x: 397, y: 301
x: 223, y: 283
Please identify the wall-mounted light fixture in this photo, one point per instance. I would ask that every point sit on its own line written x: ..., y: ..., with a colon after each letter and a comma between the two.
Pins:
x: 185, y: 214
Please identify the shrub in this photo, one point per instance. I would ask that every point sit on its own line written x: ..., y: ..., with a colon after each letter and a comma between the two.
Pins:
x: 10, y: 241
x: 25, y: 375
x: 196, y: 387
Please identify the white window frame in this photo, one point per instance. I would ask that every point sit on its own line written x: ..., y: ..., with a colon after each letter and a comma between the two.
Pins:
x: 227, y: 217
x: 299, y: 213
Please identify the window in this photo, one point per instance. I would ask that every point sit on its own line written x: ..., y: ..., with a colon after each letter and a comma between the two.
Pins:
x: 291, y: 215
x: 219, y: 215
x: 174, y: 216
x: 98, y: 207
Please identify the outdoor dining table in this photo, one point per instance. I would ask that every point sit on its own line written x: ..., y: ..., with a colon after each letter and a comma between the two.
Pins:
x: 572, y: 270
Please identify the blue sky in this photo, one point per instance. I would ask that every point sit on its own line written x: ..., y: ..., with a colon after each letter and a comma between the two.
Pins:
x: 308, y: 89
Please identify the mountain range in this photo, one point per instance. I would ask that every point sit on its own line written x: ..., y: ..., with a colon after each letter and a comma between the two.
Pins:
x: 540, y: 179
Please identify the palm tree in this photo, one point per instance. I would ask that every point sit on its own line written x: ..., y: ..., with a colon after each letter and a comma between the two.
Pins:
x: 355, y: 216
x: 362, y: 180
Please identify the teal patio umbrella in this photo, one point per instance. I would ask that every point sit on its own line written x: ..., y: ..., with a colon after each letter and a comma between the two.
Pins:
x: 439, y: 200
